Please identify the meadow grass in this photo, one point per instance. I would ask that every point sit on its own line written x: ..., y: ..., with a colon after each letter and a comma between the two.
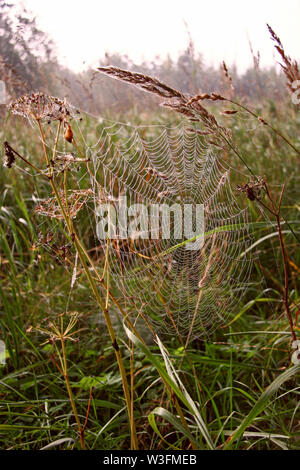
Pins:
x: 222, y: 388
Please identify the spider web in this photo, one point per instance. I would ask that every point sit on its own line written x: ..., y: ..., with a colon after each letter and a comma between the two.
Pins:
x: 179, y: 291
x: 182, y: 292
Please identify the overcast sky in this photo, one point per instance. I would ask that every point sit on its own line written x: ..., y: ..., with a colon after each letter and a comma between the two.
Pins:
x: 85, y: 29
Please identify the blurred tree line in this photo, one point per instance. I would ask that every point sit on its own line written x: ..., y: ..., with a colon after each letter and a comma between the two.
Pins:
x: 28, y: 63
x: 26, y: 53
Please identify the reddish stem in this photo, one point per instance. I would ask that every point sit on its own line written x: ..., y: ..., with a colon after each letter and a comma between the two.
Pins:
x: 276, y: 212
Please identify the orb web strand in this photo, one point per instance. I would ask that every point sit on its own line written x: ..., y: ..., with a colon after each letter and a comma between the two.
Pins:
x: 176, y: 289
x: 174, y: 165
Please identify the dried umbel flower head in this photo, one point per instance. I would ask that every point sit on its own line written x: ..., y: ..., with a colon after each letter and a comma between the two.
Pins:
x: 57, y: 331
x: 76, y: 199
x: 40, y: 106
x: 9, y: 157
x: 252, y: 189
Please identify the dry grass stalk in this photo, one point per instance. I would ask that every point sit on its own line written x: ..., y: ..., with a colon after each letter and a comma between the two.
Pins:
x: 218, y: 97
x: 227, y: 77
x: 177, y: 101
x: 255, y: 57
x: 150, y: 84
x: 11, y: 77
x: 288, y: 65
x: 254, y: 191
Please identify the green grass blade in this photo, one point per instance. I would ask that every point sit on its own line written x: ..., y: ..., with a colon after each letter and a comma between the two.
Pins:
x: 261, y: 403
x: 165, y: 414
x: 173, y: 381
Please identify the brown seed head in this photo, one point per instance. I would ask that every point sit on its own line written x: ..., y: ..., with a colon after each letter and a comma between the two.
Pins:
x: 9, y: 157
x: 69, y: 134
x: 252, y: 189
